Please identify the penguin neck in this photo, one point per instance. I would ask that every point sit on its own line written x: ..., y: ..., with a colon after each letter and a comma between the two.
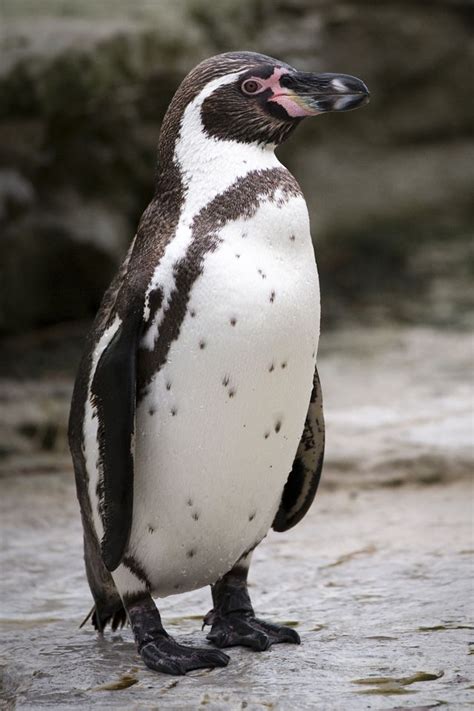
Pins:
x: 207, y: 165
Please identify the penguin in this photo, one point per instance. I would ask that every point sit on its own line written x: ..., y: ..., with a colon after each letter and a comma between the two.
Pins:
x: 196, y: 421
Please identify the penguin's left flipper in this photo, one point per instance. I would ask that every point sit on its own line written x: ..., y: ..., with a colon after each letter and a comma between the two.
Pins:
x: 303, y: 480
x: 114, y: 393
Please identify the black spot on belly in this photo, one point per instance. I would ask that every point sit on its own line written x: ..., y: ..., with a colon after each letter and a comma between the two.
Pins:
x: 252, y: 516
x: 196, y: 516
x: 284, y: 364
x: 202, y: 345
x: 233, y: 321
x: 237, y: 256
x: 272, y: 297
x: 277, y: 426
x: 151, y: 529
x: 292, y: 238
x: 266, y: 435
x: 271, y: 368
x: 168, y: 385
x: 189, y: 502
x: 231, y: 392
x: 151, y: 411
x: 225, y: 380
x: 192, y: 313
x: 191, y: 553
x: 262, y: 274
x: 174, y: 411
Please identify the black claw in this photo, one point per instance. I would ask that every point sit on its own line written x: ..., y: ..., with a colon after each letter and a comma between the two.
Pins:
x: 167, y: 656
x: 284, y: 634
x: 243, y: 629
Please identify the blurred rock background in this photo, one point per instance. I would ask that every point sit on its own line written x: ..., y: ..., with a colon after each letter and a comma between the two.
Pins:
x: 84, y: 85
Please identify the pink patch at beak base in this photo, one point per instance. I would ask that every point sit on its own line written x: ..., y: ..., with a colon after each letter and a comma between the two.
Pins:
x: 293, y: 105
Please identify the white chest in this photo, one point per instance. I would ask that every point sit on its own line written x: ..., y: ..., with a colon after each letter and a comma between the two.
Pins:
x: 218, y: 431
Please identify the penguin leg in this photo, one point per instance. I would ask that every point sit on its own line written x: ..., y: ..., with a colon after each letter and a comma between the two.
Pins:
x: 156, y: 647
x: 233, y: 620
x: 158, y: 650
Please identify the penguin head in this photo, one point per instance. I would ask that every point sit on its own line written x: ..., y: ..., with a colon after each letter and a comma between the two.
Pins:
x: 251, y: 98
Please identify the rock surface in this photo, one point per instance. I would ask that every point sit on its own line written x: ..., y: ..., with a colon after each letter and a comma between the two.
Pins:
x: 83, y: 88
x: 377, y: 578
x: 376, y: 583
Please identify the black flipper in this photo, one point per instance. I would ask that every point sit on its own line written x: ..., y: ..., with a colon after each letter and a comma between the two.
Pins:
x: 114, y: 393
x: 302, y: 484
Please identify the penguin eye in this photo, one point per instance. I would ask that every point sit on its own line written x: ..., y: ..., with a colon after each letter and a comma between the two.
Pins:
x: 251, y: 86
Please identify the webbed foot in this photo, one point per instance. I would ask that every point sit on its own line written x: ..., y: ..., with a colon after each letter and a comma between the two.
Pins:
x: 158, y: 650
x: 233, y: 620
x: 165, y: 655
x: 242, y: 628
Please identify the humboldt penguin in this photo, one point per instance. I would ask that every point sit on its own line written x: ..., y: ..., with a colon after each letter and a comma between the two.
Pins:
x: 196, y: 422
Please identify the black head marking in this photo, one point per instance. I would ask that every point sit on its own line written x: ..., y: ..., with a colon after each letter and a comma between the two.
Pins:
x: 240, y: 110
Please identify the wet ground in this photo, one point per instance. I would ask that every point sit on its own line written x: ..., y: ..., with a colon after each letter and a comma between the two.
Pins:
x: 377, y: 579
x: 376, y: 582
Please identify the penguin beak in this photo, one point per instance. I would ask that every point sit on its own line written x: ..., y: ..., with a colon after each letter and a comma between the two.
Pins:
x: 305, y: 94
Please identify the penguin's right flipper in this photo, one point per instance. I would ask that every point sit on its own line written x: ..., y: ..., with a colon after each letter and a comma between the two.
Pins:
x: 114, y: 394
x: 302, y: 484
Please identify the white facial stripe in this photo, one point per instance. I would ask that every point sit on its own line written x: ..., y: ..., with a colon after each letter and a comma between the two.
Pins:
x: 209, y: 166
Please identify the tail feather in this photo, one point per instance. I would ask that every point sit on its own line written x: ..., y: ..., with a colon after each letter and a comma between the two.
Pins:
x: 115, y: 616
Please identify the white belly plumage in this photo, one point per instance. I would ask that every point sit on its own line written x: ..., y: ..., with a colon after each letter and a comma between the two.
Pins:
x: 218, y: 430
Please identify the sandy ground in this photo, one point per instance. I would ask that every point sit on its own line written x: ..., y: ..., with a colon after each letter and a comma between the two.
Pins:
x: 378, y: 578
